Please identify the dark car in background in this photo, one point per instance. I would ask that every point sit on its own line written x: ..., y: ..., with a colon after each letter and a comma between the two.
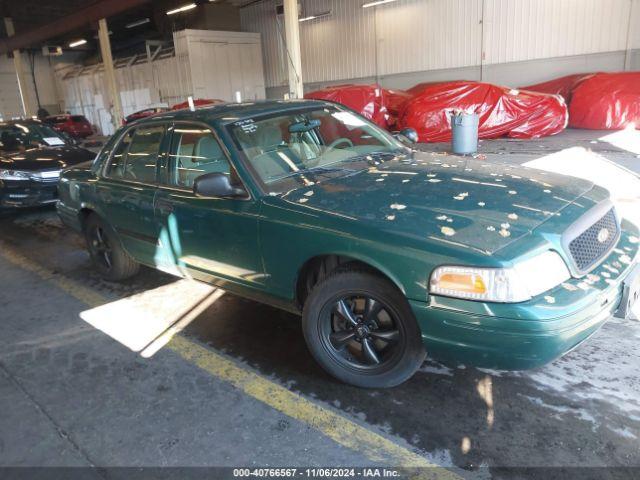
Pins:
x: 32, y: 154
x: 147, y: 112
x: 74, y: 125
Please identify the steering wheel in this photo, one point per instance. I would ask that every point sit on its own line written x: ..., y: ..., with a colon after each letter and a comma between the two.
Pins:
x: 338, y: 141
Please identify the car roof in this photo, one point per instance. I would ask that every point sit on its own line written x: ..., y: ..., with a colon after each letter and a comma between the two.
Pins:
x: 235, y: 111
x: 28, y: 121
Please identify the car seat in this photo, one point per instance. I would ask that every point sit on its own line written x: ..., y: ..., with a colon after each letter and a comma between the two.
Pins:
x: 272, y: 158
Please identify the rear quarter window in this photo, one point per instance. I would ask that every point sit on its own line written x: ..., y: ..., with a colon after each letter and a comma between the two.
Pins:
x: 135, y: 157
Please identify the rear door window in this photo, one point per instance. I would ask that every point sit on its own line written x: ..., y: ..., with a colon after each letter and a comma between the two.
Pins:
x: 135, y: 158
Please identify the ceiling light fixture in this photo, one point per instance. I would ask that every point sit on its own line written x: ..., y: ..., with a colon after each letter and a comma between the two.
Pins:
x: 313, y: 17
x: 77, y: 43
x: 137, y: 23
x: 184, y: 8
x: 379, y: 2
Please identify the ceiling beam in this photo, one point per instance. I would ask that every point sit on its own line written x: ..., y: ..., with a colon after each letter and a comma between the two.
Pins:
x: 66, y: 24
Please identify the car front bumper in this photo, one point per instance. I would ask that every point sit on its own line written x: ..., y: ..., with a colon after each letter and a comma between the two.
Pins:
x: 27, y: 193
x: 529, y: 334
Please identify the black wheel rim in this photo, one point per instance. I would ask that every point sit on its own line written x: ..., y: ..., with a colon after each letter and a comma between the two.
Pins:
x: 362, y: 333
x: 101, y: 247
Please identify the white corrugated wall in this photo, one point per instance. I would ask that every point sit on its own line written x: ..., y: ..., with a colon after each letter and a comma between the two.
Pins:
x: 420, y: 35
x: 206, y: 64
x: 634, y: 24
x: 140, y: 86
x: 427, y: 35
x: 532, y: 29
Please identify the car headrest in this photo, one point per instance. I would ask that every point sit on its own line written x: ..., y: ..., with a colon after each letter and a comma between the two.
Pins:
x: 208, y: 148
x: 269, y: 137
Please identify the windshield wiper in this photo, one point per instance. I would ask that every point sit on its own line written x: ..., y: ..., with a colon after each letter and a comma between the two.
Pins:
x: 317, y: 170
x: 377, y: 155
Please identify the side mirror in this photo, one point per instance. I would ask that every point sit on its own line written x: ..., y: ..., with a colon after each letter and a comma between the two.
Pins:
x: 408, y: 135
x: 69, y: 139
x: 216, y: 185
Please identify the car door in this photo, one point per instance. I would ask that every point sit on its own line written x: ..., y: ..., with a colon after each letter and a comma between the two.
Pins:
x: 212, y: 239
x: 127, y: 190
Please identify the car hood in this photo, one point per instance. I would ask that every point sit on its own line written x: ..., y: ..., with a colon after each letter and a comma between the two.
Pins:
x: 468, y: 202
x: 45, y: 158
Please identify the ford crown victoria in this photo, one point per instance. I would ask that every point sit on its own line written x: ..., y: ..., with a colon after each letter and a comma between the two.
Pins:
x: 386, y: 252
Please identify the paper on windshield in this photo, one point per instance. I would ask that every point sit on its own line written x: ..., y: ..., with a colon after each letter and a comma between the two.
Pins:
x: 53, y: 141
x: 348, y: 119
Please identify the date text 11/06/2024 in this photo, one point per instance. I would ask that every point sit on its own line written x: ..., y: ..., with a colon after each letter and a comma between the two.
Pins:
x: 317, y: 472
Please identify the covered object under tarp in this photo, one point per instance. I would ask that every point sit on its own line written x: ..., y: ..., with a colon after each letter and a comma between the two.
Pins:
x: 502, y: 111
x: 606, y: 101
x: 368, y: 100
x: 563, y: 86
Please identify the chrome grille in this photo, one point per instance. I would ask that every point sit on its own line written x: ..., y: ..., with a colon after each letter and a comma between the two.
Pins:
x: 595, y: 242
x: 47, y: 176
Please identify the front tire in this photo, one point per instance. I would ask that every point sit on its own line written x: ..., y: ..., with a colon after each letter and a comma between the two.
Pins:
x: 360, y: 328
x: 110, y: 259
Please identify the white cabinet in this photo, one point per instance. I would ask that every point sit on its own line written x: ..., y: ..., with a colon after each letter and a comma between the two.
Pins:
x: 222, y: 63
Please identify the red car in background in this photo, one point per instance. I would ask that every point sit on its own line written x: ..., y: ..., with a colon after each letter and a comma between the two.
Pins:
x: 147, y: 112
x: 74, y: 125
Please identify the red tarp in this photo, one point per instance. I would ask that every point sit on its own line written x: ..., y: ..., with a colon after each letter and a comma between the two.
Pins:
x: 514, y: 113
x: 606, y: 101
x: 563, y: 86
x: 367, y: 100
x: 421, y: 87
x: 198, y: 102
x: 395, y: 100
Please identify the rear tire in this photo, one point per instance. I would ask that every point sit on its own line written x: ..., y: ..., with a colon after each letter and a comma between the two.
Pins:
x: 360, y: 328
x: 110, y: 259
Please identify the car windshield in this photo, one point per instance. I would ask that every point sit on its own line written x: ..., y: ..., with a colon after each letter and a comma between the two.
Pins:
x: 17, y: 136
x: 286, y: 150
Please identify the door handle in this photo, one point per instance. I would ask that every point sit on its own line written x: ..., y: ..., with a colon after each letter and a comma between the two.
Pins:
x: 165, y: 206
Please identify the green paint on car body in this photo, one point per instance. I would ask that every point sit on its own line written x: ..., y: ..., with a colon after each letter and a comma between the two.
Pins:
x: 404, y: 215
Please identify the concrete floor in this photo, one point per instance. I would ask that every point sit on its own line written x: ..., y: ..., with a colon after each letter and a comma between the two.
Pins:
x: 73, y: 395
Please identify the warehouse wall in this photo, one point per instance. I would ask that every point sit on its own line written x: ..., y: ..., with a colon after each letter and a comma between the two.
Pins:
x: 206, y: 64
x: 10, y: 103
x: 408, y: 41
x: 140, y: 86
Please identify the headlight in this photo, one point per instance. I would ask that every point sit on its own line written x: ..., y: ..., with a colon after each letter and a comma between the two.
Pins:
x: 13, y: 175
x: 504, y: 285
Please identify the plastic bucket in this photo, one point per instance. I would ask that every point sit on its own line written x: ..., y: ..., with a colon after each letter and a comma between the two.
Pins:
x: 464, y: 133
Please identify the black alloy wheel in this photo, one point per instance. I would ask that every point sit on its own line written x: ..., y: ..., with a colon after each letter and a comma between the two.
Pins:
x: 100, y: 247
x: 361, y: 329
x: 109, y: 257
x: 363, y: 333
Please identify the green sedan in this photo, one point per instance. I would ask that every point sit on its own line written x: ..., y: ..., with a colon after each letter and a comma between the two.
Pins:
x: 388, y: 253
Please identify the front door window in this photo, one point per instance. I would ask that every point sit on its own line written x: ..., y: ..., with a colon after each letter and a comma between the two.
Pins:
x: 194, y: 152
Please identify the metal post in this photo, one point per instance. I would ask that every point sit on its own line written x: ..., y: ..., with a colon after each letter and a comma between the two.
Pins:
x: 630, y: 28
x: 109, y: 72
x: 291, y: 25
x: 23, y: 86
x: 482, y: 42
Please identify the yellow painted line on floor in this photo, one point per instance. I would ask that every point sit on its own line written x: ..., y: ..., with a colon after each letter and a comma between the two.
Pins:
x: 340, y: 429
